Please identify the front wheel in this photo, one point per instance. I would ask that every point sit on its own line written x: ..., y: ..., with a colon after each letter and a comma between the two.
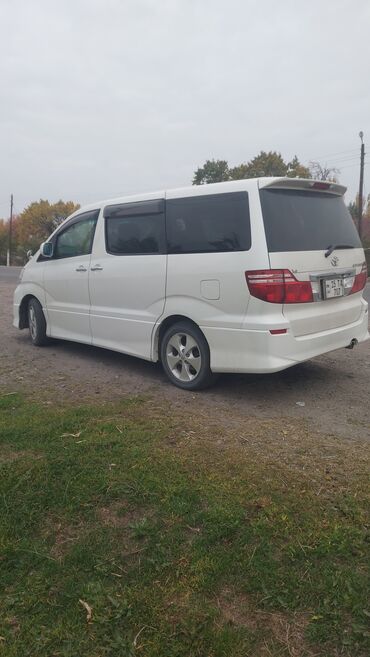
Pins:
x: 36, y: 323
x: 185, y: 357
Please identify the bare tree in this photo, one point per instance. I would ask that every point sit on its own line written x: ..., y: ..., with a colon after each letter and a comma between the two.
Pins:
x: 319, y: 172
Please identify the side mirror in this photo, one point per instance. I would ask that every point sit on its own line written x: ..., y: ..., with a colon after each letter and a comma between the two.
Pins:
x: 29, y: 254
x: 47, y: 249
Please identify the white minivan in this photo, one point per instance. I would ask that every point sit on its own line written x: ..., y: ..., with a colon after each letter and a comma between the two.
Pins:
x: 243, y: 276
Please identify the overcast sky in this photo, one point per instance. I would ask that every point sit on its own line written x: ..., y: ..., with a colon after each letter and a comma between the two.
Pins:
x: 101, y: 98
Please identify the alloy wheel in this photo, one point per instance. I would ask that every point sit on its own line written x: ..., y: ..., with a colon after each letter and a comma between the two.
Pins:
x: 183, y: 357
x: 32, y: 322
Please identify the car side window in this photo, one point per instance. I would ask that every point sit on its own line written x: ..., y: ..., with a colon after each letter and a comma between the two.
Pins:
x: 135, y: 228
x: 77, y: 239
x: 134, y: 235
x: 209, y: 223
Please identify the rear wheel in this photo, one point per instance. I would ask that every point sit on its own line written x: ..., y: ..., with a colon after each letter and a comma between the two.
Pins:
x: 185, y: 357
x: 37, y: 323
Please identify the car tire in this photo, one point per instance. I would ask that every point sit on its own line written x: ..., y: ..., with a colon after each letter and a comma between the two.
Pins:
x: 185, y: 357
x: 37, y: 323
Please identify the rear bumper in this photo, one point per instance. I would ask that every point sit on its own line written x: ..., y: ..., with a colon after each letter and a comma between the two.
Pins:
x: 254, y: 351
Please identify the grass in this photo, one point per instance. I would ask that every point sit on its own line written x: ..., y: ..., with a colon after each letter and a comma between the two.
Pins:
x: 125, y: 534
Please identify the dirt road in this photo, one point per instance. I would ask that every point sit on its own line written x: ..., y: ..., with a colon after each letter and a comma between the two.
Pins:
x: 334, y: 388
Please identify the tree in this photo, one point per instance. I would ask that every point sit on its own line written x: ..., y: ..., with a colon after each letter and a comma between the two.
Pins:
x: 39, y: 220
x: 4, y: 233
x: 267, y: 164
x: 212, y: 171
x: 239, y: 172
x: 297, y: 170
x: 264, y: 164
x: 353, y: 209
x: 4, y: 241
x: 319, y: 172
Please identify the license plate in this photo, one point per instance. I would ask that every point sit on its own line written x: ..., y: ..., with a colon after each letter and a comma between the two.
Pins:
x: 333, y: 287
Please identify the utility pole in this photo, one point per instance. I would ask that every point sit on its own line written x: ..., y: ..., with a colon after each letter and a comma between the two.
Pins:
x: 9, y: 258
x: 361, y: 188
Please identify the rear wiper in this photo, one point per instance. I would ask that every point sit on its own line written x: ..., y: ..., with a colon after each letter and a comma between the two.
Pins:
x: 333, y: 247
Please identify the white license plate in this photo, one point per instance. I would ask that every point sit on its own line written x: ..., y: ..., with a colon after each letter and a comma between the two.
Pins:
x: 333, y: 287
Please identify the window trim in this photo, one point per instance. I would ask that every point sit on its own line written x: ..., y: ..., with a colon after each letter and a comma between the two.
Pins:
x: 131, y: 209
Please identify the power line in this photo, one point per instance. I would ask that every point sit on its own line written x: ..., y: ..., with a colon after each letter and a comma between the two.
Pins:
x: 320, y: 157
x: 336, y: 161
x: 348, y: 166
x: 343, y: 159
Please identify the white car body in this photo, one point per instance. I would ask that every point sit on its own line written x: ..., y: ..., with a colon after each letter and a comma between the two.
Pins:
x: 120, y: 302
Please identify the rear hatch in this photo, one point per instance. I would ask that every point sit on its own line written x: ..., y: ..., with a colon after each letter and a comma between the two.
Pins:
x: 310, y: 233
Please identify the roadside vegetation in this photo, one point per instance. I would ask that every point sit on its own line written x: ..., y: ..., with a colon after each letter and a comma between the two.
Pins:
x: 40, y: 218
x: 126, y: 533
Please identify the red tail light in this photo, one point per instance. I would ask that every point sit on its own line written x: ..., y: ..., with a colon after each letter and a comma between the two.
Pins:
x: 360, y: 280
x: 278, y: 286
x: 320, y: 185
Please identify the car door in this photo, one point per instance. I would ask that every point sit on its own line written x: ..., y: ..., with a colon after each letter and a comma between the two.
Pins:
x: 66, y: 279
x: 128, y: 276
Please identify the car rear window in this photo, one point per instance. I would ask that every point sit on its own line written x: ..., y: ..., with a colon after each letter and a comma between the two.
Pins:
x: 209, y: 223
x: 306, y: 220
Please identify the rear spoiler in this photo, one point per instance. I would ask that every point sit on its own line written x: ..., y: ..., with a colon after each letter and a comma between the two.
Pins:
x: 302, y: 184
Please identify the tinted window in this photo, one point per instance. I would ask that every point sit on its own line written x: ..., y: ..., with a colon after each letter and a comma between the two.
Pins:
x: 77, y: 238
x: 306, y: 221
x: 204, y: 224
x: 139, y: 234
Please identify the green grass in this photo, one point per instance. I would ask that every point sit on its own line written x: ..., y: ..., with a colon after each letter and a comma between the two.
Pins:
x: 179, y: 546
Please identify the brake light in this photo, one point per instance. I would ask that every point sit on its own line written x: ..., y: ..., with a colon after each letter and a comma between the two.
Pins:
x: 320, y: 185
x: 278, y: 286
x: 360, y: 280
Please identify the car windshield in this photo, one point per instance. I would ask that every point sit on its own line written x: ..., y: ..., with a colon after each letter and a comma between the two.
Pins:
x: 306, y: 221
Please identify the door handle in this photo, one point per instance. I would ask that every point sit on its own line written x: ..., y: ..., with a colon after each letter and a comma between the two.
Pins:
x: 96, y: 268
x: 81, y: 268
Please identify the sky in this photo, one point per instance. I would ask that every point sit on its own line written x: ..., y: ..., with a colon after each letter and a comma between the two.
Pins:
x: 102, y: 98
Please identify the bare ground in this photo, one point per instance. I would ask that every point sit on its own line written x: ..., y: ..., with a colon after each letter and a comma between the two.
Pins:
x: 334, y: 387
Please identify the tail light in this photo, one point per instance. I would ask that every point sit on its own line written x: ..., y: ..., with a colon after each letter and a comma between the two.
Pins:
x: 320, y: 185
x: 278, y: 286
x: 360, y: 280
